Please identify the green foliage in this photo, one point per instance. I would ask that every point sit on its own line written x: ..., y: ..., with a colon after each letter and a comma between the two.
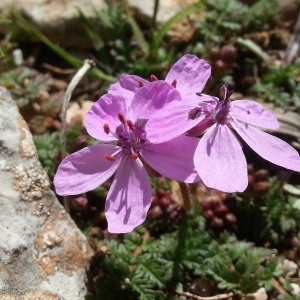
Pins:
x: 48, y: 147
x: 24, y: 84
x: 142, y: 268
x: 226, y: 21
x: 270, y: 218
x: 280, y: 86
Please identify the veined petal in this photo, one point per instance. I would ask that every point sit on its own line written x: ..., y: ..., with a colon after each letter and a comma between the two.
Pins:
x: 105, y: 111
x: 173, y: 159
x: 152, y: 98
x: 172, y: 121
x: 85, y: 170
x: 190, y: 73
x: 253, y: 113
x: 220, y: 161
x: 127, y: 86
x: 269, y: 147
x: 129, y: 197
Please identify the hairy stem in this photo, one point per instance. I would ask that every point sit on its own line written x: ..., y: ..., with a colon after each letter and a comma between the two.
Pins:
x: 185, y: 195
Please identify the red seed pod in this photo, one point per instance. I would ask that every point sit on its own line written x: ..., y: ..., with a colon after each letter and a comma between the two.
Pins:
x: 261, y: 175
x: 228, y: 54
x: 230, y: 219
x: 221, y: 210
x: 155, y: 211
x: 261, y: 187
x: 161, y: 193
x: 155, y: 200
x: 250, y: 169
x: 214, y: 203
x: 206, y: 205
x: 208, y: 214
x: 215, y: 53
x: 251, y: 181
x: 217, y: 223
x: 165, y: 201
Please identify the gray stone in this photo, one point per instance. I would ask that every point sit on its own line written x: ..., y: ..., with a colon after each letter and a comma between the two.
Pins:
x: 43, y: 255
x: 58, y: 20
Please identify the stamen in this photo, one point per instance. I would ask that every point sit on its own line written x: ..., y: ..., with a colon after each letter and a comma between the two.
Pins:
x: 174, y: 83
x: 106, y: 128
x: 122, y: 118
x: 141, y: 83
x: 153, y: 78
x: 110, y: 157
x: 227, y: 92
x: 130, y: 125
x: 134, y: 155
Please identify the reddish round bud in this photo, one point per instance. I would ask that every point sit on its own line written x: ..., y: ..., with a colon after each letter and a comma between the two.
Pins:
x: 251, y: 180
x: 165, y: 201
x: 228, y: 54
x: 221, y: 210
x: 250, y: 169
x: 206, y: 205
x: 261, y: 187
x: 214, y: 203
x: 230, y: 218
x: 155, y: 211
x: 154, y: 200
x: 261, y: 175
x: 208, y: 214
x: 215, y: 53
x: 217, y: 223
x: 161, y: 193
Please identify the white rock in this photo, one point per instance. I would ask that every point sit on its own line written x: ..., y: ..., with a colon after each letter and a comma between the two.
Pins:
x: 43, y: 255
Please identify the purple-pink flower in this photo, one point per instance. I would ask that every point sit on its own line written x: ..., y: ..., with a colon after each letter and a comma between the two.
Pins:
x: 219, y: 158
x: 120, y: 118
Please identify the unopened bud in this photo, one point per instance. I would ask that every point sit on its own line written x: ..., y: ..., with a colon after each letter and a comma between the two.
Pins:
x: 208, y: 214
x: 230, y: 218
x: 221, y: 210
x: 217, y: 223
x: 261, y: 175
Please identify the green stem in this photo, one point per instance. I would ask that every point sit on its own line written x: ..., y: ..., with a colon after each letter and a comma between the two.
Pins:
x: 185, y: 195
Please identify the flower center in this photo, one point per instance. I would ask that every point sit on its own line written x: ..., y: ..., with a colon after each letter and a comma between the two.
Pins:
x: 220, y: 113
x: 130, y: 136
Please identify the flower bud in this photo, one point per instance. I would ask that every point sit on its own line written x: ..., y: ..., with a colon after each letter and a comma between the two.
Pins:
x: 217, y: 223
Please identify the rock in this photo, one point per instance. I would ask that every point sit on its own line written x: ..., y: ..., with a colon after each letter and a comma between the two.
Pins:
x: 43, y: 255
x: 260, y: 294
x: 183, y: 31
x: 58, y: 20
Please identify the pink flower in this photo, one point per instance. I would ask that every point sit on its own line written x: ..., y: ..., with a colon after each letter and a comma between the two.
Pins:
x: 188, y: 75
x: 122, y: 119
x: 219, y: 158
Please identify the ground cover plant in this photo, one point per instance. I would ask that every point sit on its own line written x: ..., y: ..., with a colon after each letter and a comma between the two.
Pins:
x: 223, y: 237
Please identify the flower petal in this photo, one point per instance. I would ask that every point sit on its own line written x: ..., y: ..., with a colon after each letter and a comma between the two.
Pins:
x: 152, y: 98
x: 127, y: 86
x: 173, y: 159
x: 129, y: 197
x: 172, y: 121
x: 85, y: 170
x: 220, y: 161
x: 269, y: 147
x: 253, y: 113
x: 105, y: 111
x: 190, y: 73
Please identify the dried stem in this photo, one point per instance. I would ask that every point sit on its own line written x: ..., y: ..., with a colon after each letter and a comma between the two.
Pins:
x: 193, y: 296
x: 185, y: 195
x: 87, y: 64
